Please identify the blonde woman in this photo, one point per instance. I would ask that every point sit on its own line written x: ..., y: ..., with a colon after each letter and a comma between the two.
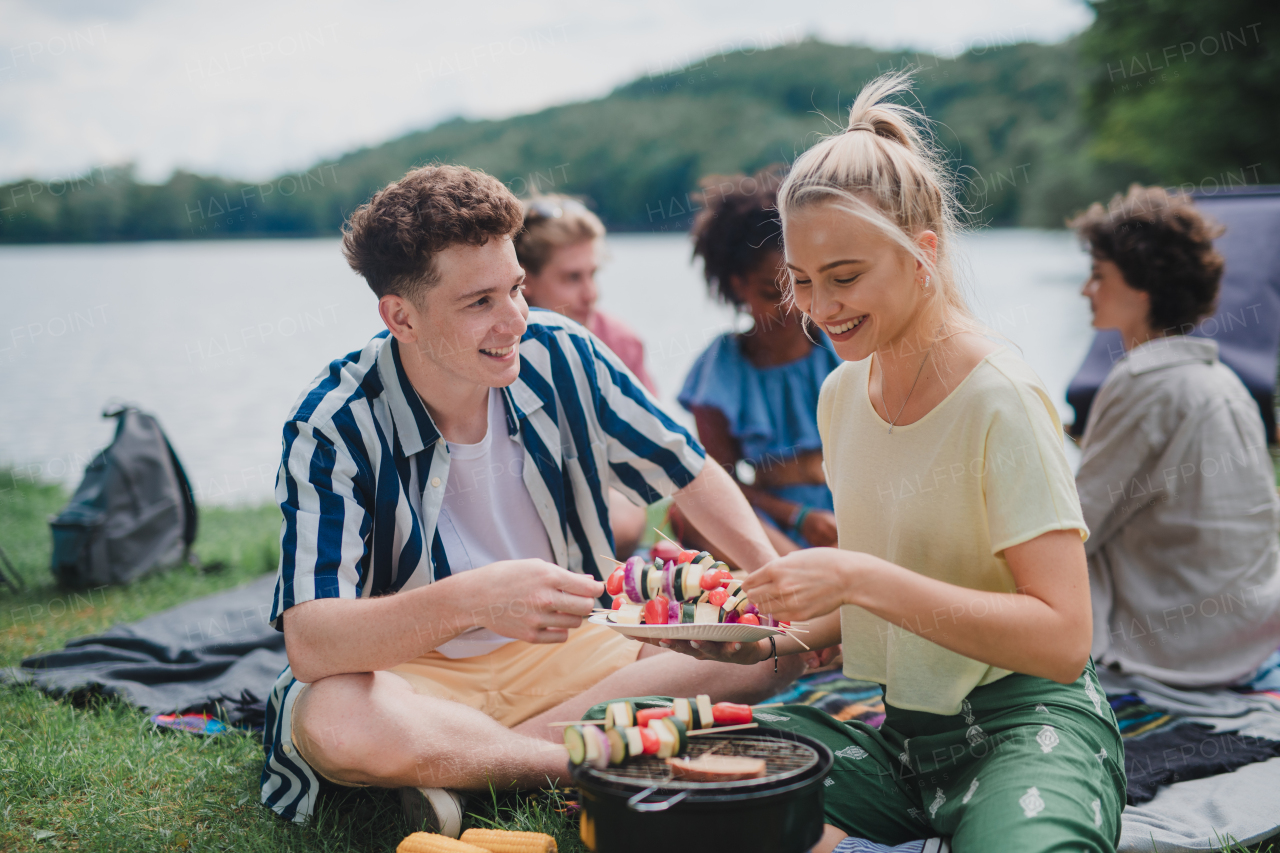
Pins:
x: 959, y: 581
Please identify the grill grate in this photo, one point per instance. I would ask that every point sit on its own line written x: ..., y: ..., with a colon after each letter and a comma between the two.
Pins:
x: 783, y: 759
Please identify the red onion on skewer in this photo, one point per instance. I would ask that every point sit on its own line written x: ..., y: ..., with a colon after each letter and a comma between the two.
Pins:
x: 668, y: 576
x: 631, y: 579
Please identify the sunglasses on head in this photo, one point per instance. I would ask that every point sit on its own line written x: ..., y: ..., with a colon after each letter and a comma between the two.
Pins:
x: 548, y: 208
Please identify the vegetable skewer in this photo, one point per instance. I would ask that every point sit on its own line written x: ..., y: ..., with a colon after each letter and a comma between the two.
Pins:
x: 664, y: 737
x: 697, y: 713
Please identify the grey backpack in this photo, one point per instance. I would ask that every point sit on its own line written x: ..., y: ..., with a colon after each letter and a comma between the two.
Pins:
x: 134, y: 512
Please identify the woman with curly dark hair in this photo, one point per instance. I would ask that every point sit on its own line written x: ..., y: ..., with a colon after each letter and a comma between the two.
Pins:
x: 754, y: 394
x: 1176, y: 483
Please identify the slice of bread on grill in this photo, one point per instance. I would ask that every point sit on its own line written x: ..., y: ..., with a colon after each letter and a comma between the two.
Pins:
x: 716, y: 768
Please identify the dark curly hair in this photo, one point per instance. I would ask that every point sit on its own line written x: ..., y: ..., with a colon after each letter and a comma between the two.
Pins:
x: 392, y: 241
x: 737, y: 227
x: 1163, y: 246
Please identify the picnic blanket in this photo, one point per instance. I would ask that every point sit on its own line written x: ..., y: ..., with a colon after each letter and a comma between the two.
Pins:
x: 214, y: 653
x: 1202, y: 814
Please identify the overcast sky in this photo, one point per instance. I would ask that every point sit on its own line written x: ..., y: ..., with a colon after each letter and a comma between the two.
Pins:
x: 253, y: 88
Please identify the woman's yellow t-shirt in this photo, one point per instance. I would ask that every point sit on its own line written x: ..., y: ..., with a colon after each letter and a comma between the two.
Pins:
x: 944, y: 496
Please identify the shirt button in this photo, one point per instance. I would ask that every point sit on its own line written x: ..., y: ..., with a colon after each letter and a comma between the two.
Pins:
x: 435, y: 482
x: 288, y: 750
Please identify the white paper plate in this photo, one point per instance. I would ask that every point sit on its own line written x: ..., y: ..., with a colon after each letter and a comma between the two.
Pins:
x: 717, y: 633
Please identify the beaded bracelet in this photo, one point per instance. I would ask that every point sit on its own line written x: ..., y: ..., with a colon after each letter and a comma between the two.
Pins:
x: 800, y: 517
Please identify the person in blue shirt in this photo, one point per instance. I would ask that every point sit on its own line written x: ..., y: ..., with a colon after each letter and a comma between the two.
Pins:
x: 754, y: 394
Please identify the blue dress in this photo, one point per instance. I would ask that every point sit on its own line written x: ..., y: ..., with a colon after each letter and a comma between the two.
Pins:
x: 772, y: 411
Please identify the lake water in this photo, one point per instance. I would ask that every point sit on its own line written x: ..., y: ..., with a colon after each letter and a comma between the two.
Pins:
x: 218, y: 339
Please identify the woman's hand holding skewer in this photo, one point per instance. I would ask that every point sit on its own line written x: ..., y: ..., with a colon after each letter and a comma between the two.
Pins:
x: 804, y: 584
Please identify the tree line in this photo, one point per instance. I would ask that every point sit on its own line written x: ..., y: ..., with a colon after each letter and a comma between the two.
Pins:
x: 1155, y: 91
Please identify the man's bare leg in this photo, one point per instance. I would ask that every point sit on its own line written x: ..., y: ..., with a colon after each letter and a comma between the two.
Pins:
x: 372, y: 728
x: 659, y: 672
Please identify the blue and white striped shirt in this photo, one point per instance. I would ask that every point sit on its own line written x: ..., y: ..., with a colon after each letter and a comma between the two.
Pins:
x: 364, y: 471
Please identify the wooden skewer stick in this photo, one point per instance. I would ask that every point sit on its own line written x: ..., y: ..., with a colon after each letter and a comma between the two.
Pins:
x: 577, y: 723
x: 668, y: 538
x: 724, y: 729
x: 798, y: 640
x: 611, y: 559
x: 769, y: 705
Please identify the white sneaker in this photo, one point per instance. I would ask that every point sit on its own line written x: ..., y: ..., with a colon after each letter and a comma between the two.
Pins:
x: 433, y: 810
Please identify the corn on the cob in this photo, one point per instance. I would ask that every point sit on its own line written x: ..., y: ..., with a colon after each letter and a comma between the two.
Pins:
x: 587, y: 831
x: 430, y: 842
x: 506, y: 841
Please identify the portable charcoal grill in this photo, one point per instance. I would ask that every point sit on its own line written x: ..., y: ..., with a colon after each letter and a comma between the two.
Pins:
x: 637, y: 805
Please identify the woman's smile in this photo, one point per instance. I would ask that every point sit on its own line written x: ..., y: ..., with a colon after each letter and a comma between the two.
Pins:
x: 845, y: 329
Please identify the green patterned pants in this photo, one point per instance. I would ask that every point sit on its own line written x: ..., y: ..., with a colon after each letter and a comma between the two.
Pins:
x: 1028, y: 765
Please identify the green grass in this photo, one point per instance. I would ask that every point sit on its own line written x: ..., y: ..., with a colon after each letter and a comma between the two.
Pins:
x: 95, y: 775
x: 45, y: 616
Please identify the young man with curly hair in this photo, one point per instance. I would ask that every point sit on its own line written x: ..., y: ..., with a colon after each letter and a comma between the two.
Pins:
x: 445, y: 499
x: 1175, y: 483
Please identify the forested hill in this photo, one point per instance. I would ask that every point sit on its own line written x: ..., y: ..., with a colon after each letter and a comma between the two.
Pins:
x: 1010, y: 116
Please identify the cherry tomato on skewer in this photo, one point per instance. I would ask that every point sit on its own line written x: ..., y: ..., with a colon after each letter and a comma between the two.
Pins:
x: 749, y: 619
x: 715, y: 578
x: 615, y: 582
x: 665, y: 550
x: 655, y: 611
x: 617, y: 603
x: 718, y: 597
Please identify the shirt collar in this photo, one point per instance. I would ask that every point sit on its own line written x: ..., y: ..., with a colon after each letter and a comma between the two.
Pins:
x: 1172, y: 351
x: 413, y: 424
x: 523, y: 400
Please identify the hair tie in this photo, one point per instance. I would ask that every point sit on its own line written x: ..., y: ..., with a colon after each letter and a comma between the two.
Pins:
x: 861, y: 125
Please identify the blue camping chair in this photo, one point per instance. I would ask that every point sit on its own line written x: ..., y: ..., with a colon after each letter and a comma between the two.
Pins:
x: 1247, y: 323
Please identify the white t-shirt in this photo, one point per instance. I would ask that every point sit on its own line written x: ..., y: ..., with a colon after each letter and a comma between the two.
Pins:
x: 488, y: 515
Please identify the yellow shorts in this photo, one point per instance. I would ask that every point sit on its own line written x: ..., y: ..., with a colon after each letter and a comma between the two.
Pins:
x: 517, y: 681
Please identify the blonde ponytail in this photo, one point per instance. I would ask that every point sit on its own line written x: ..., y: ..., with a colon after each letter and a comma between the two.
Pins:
x: 885, y: 169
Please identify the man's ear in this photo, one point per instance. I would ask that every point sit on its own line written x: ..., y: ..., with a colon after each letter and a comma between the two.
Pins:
x: 400, y: 317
